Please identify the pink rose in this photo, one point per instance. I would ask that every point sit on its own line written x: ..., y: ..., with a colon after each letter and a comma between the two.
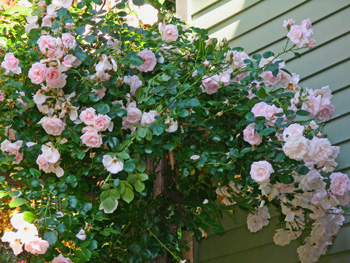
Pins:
x: 149, y: 60
x: 320, y: 151
x: 296, y: 147
x: 312, y: 105
x: 210, y: 85
x: 148, y: 117
x: 325, y: 112
x: 91, y: 138
x: 293, y: 129
x: 132, y: 20
x: 251, y: 136
x: 68, y: 61
x: 52, y: 125
x: 102, y: 122
x: 11, y: 148
x: 37, y: 246
x: 170, y: 33
x: 61, y: 259
x: 134, y: 82
x: 340, y: 184
x: 43, y: 163
x: 50, y: 46
x: 37, y: 73
x: 88, y: 116
x: 100, y: 92
x: 134, y: 115
x: 299, y: 35
x: 11, y: 63
x: 269, y: 79
x: 263, y: 109
x: 312, y: 43
x: 288, y: 23
x: 260, y: 172
x: 148, y: 14
x: 68, y: 41
x: 55, y: 79
x: 306, y: 23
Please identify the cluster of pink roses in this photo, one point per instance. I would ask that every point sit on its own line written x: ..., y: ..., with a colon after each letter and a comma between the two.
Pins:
x: 300, y: 35
x: 13, y: 149
x: 11, y: 64
x: 96, y: 123
x: 27, y: 235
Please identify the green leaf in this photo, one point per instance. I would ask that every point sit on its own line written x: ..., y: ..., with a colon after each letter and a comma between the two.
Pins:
x: 80, y: 54
x: 193, y: 103
x: 169, y: 146
x: 128, y: 195
x: 109, y: 204
x: 129, y: 166
x: 94, y: 97
x: 17, y: 202
x: 135, y: 60
x: 50, y: 237
x: 90, y: 39
x: 84, y: 254
x: 116, y: 182
x: 62, y: 12
x: 80, y: 30
x: 157, y: 129
x: 143, y: 177
x: 268, y: 54
x: 121, y: 113
x: 29, y: 216
x: 34, y: 172
x: 2, y: 178
x: 286, y: 178
x: 302, y: 170
x: 138, y: 2
x: 134, y: 248
x: 218, y: 229
x: 139, y: 186
x: 142, y: 132
x: 183, y: 113
x: 280, y: 156
x: 113, y: 142
x: 98, y: 2
x: 33, y: 182
x: 102, y: 108
x: 123, y: 155
x: 302, y: 113
x: 267, y: 131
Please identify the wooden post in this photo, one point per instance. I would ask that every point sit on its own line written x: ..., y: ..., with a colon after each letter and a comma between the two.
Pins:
x: 183, y: 9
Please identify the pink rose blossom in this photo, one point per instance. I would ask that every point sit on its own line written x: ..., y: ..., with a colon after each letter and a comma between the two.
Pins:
x: 37, y: 73
x: 134, y: 82
x: 251, y: 136
x: 11, y: 63
x: 102, y: 122
x: 69, y: 25
x: 52, y: 125
x: 269, y: 79
x: 61, y: 259
x: 170, y: 33
x: 48, y: 20
x: 149, y: 60
x: 340, y: 184
x: 306, y: 23
x: 11, y: 148
x: 100, y: 92
x: 42, y: 162
x: 37, y: 246
x: 91, y: 138
x: 69, y: 60
x: 311, y: 43
x: 296, y: 147
x: 299, y: 35
x: 261, y: 171
x: 148, y: 14
x: 288, y: 23
x: 148, y: 117
x: 210, y: 85
x: 68, y: 41
x: 133, y: 116
x: 325, y: 112
x: 88, y: 116
x: 2, y: 97
x: 132, y: 20
x: 263, y: 109
x: 55, y: 79
x: 293, y: 129
x: 50, y: 46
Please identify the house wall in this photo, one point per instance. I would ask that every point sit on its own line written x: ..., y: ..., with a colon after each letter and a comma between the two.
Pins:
x: 256, y: 25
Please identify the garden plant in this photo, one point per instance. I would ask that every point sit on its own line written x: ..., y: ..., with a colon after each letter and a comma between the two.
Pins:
x: 124, y: 131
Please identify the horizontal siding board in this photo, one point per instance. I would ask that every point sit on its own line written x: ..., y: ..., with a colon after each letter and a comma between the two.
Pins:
x: 222, y: 11
x: 247, y: 21
x: 272, y: 34
x: 343, y: 158
x: 261, y: 248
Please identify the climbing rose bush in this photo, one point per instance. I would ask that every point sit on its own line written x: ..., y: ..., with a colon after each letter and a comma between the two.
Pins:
x: 122, y: 127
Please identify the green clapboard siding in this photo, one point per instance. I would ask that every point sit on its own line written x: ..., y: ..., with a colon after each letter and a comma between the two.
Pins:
x: 256, y: 25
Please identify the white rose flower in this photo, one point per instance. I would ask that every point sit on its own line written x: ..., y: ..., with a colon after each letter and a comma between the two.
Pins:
x: 260, y: 172
x: 81, y: 235
x: 293, y: 129
x: 296, y: 147
x: 113, y: 165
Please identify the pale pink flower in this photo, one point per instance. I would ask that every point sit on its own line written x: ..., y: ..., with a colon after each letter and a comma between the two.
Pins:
x: 68, y: 41
x: 62, y: 3
x: 55, y: 79
x: 251, y: 136
x: 133, y: 116
x: 293, y: 129
x: 296, y: 147
x: 132, y: 20
x: 37, y: 73
x: 320, y: 151
x: 112, y: 165
x: 148, y: 14
x: 306, y: 23
x: 61, y: 259
x: 37, y: 246
x: 48, y: 20
x: 50, y: 46
x: 148, y: 118
x: 104, y: 64
x: 260, y: 172
x: 269, y: 79
x: 52, y: 125
x: 288, y: 23
x: 69, y: 60
x: 258, y: 219
x: 69, y: 25
x: 134, y: 82
x: 299, y: 35
x: 91, y: 138
x: 11, y: 63
x: 102, y: 122
x: 211, y: 84
x: 81, y: 234
x: 11, y: 148
x: 88, y: 116
x: 2, y: 97
x: 149, y: 60
x: 170, y: 33
x: 325, y: 112
x: 43, y: 163
x: 32, y: 23
x: 100, y: 92
x: 340, y: 184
